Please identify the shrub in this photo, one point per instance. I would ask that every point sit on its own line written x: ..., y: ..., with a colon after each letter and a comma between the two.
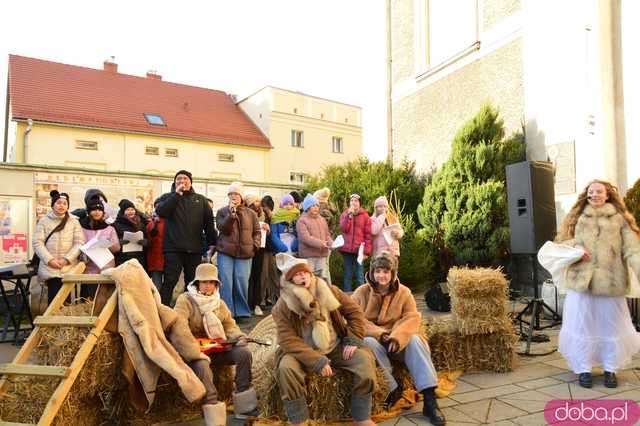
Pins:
x: 632, y: 200
x: 370, y: 180
x: 464, y: 209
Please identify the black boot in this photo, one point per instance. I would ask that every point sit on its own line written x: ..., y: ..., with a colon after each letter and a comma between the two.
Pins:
x: 610, y: 379
x: 585, y: 380
x: 430, y: 408
x: 393, y: 397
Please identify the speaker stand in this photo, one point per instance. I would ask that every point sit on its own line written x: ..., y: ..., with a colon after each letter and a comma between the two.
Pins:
x: 535, y: 308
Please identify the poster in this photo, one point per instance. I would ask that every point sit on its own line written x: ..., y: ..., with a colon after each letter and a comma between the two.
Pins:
x: 14, y: 230
x: 14, y: 248
x: 5, y: 218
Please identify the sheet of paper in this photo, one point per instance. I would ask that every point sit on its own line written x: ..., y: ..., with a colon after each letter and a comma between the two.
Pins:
x: 134, y: 239
x: 388, y: 230
x: 263, y: 236
x: 360, y: 258
x: 98, y: 251
x: 338, y: 242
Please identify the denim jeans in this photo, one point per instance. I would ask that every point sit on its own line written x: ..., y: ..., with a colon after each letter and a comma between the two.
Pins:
x: 156, y: 277
x: 352, y: 266
x: 416, y: 356
x: 234, y: 277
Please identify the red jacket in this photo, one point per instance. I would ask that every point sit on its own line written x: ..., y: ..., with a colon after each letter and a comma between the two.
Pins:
x: 355, y: 231
x: 155, y: 257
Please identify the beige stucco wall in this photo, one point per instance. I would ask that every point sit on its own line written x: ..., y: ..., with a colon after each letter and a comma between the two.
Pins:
x: 495, y: 11
x: 425, y: 122
x: 55, y: 145
x: 402, y: 39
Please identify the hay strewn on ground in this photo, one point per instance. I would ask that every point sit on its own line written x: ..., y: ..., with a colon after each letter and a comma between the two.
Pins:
x: 99, y: 394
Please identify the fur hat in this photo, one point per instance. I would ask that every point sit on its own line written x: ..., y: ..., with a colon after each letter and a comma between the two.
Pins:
x: 309, y: 201
x: 55, y: 196
x: 183, y: 172
x: 206, y: 272
x: 250, y: 198
x: 381, y: 201
x: 95, y: 205
x: 290, y: 265
x: 297, y: 196
x: 236, y: 187
x: 287, y: 199
x: 356, y: 196
x: 384, y: 260
x: 125, y: 204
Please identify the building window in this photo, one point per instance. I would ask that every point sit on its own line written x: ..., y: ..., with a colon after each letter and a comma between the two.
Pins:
x: 446, y: 31
x: 297, y: 178
x: 337, y: 145
x: 229, y: 158
x: 154, y: 119
x: 152, y: 150
x: 170, y: 152
x: 297, y: 138
x: 88, y: 145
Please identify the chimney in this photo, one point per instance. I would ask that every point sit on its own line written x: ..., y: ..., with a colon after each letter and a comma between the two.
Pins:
x: 110, y: 66
x: 153, y: 75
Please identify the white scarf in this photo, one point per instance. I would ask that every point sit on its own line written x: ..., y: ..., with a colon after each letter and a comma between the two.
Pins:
x: 207, y: 306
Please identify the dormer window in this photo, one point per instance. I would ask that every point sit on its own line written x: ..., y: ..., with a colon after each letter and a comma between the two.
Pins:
x: 154, y: 119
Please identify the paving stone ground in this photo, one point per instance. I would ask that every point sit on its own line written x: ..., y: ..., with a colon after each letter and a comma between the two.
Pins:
x: 514, y: 398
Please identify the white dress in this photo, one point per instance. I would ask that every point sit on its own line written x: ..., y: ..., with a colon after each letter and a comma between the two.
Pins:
x: 597, y: 331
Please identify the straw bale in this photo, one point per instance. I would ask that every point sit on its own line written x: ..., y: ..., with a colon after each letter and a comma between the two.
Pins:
x: 493, y: 352
x: 476, y: 282
x: 479, y: 307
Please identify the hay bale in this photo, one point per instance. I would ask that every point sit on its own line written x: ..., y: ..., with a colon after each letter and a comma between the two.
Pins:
x: 489, y: 352
x: 476, y: 283
x: 480, y: 307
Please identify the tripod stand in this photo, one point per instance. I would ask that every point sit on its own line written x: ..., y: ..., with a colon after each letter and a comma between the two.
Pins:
x: 536, y: 307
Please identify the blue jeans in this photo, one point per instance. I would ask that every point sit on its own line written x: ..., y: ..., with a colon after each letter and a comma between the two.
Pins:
x: 351, y: 263
x: 416, y: 356
x: 234, y: 277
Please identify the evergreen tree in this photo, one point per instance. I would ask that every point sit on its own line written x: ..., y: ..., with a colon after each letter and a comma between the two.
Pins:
x: 464, y: 209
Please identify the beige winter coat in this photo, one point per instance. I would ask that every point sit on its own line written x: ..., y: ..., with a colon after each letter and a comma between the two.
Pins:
x: 142, y: 322
x: 612, y: 244
x: 393, y: 313
x: 188, y: 309
x: 65, y: 243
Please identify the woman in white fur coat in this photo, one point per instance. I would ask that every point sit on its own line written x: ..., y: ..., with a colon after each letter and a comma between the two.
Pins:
x: 597, y: 328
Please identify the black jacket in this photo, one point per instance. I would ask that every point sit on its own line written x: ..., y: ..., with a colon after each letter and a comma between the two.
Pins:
x: 187, y: 216
x: 123, y: 224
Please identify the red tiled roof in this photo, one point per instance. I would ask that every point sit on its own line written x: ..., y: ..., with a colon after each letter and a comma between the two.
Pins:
x: 68, y: 94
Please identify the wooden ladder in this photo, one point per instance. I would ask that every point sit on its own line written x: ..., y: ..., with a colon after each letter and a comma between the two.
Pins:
x: 69, y: 374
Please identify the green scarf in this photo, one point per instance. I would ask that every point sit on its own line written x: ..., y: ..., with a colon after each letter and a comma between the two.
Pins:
x: 285, y: 216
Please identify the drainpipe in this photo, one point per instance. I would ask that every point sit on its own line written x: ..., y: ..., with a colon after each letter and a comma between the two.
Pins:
x: 25, y: 141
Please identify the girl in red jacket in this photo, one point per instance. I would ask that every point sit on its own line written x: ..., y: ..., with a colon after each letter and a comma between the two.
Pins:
x: 356, y: 230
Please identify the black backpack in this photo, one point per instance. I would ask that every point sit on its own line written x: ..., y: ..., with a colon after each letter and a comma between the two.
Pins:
x: 437, y: 300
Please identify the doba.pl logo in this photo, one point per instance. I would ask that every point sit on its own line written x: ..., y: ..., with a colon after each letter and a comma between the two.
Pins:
x: 600, y: 412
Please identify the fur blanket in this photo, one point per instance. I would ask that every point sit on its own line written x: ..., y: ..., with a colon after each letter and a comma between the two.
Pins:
x: 142, y: 322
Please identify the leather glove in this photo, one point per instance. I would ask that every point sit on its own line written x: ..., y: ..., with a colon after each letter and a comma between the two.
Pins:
x: 123, y: 242
x: 144, y: 242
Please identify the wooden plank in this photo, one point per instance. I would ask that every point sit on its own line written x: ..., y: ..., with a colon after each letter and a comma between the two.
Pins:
x: 61, y: 392
x: 66, y: 321
x: 34, y: 370
x: 87, y: 279
x: 34, y: 338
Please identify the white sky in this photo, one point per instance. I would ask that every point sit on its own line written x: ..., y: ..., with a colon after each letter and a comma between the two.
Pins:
x: 329, y: 48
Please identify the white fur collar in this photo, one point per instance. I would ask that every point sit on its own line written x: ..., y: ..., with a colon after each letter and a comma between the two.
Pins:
x: 607, y: 209
x: 300, y: 300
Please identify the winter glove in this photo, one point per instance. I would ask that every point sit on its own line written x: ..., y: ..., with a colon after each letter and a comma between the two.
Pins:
x: 123, y: 242
x: 144, y: 242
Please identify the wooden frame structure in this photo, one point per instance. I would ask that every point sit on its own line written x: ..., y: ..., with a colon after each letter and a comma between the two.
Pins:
x: 68, y: 374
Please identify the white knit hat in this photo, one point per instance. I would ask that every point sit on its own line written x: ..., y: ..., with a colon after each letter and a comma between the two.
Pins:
x: 236, y: 187
x: 381, y: 201
x: 322, y: 194
x: 289, y: 265
x: 250, y: 198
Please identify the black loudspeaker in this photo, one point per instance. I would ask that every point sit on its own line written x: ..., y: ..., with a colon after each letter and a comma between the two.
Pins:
x: 532, y: 208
